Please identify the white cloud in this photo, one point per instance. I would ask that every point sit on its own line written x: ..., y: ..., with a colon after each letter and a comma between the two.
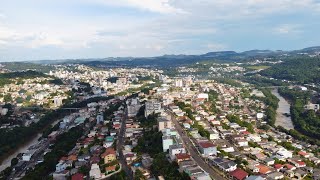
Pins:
x: 287, y: 29
x: 161, y: 6
x: 44, y: 40
x: 158, y: 6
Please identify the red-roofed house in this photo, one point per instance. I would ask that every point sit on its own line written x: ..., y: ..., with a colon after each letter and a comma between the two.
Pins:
x: 245, y: 132
x: 304, y: 154
x: 290, y: 167
x: 77, y: 176
x: 207, y: 148
x: 298, y: 163
x: 239, y: 174
x: 278, y: 167
x: 182, y: 157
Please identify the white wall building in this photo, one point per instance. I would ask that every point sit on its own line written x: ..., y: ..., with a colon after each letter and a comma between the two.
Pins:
x: 152, y: 106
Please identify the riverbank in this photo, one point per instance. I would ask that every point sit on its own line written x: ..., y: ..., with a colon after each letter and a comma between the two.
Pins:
x: 6, y: 159
x: 282, y: 118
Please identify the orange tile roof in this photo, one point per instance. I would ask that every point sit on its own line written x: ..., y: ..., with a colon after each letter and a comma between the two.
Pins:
x: 73, y: 157
x: 263, y: 169
x: 107, y: 152
x: 111, y: 168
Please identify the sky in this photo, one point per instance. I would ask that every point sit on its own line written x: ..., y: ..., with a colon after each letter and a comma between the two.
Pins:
x: 70, y: 29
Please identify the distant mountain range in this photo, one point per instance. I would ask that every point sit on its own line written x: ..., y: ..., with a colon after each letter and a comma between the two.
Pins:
x: 180, y: 60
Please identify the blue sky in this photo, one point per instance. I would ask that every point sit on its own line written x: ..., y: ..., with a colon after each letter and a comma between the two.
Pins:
x: 60, y: 29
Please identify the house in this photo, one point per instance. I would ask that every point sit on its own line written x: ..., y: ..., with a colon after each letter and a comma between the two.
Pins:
x: 77, y: 176
x: 254, y: 178
x: 278, y: 167
x: 167, y: 141
x: 239, y: 174
x: 182, y: 157
x: 242, y: 142
x: 275, y: 175
x: 176, y: 149
x: 260, y: 156
x: 290, y: 167
x: 108, y: 141
x: 269, y: 161
x: 254, y: 138
x: 95, y: 171
x: 288, y: 173
x: 61, y: 175
x: 110, y: 169
x: 284, y: 153
x: 207, y: 148
x: 184, y: 164
x: 130, y: 157
x: 263, y: 169
x: 61, y: 166
x: 228, y: 166
x: 300, y: 174
x: 72, y: 157
x: 79, y: 164
x: 224, y: 164
x: 304, y: 154
x: 109, y: 155
x: 298, y: 163
x: 164, y: 123
x: 186, y: 125
x: 213, y: 134
x: 201, y: 176
x: 193, y: 170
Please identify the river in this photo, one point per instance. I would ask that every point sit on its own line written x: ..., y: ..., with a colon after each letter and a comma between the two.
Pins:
x: 23, y: 148
x: 284, y: 108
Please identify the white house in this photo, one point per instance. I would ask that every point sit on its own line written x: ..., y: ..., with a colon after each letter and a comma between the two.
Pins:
x: 166, y: 142
x: 254, y: 138
x: 61, y: 166
x: 176, y: 149
x: 95, y: 171
x: 213, y: 134
x: 284, y: 153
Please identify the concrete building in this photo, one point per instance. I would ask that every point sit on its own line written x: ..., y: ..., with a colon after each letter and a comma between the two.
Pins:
x: 176, y: 149
x: 133, y: 106
x: 178, y: 82
x: 167, y: 141
x: 57, y: 101
x: 95, y: 171
x: 152, y: 106
x: 164, y: 123
x: 207, y: 148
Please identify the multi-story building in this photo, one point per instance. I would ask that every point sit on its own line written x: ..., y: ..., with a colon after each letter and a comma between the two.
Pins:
x: 152, y: 106
x: 164, y: 123
x: 133, y: 106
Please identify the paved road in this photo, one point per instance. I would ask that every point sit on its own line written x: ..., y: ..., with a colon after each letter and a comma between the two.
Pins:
x: 194, y: 153
x: 120, y: 144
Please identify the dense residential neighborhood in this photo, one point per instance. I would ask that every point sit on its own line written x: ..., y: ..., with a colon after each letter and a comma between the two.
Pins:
x: 142, y: 124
